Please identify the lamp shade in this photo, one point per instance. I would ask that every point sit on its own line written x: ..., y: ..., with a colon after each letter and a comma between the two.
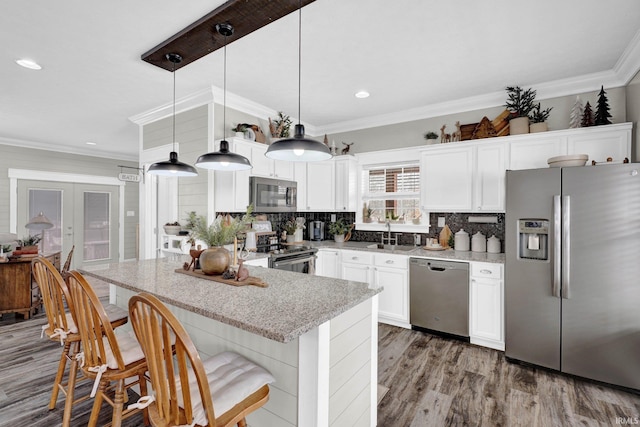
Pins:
x: 172, y: 167
x: 223, y: 160
x: 39, y: 222
x: 298, y: 148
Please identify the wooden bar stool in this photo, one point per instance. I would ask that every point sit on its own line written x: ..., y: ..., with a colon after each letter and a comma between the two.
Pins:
x: 220, y: 391
x: 106, y: 357
x: 61, y: 326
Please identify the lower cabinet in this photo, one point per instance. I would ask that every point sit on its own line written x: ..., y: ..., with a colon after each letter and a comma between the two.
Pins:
x: 391, y: 272
x: 381, y: 269
x: 486, y: 305
x: 327, y: 263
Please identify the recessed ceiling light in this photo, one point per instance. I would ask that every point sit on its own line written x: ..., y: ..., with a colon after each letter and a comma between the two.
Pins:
x: 91, y: 143
x: 362, y: 94
x: 28, y: 63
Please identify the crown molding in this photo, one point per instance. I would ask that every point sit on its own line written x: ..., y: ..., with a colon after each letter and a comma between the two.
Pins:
x: 629, y: 62
x: 91, y: 152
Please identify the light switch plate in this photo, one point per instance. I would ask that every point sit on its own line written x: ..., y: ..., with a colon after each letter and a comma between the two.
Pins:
x: 440, y: 221
x: 131, y: 213
x: 333, y: 217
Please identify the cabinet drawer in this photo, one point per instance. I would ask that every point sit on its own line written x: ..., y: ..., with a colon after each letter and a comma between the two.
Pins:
x: 486, y: 270
x: 357, y: 257
x: 391, y: 261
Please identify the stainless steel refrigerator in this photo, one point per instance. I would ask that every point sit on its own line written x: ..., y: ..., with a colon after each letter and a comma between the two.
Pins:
x: 572, y: 276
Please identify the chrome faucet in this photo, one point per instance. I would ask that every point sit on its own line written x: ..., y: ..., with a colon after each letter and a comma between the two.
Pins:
x: 388, y: 239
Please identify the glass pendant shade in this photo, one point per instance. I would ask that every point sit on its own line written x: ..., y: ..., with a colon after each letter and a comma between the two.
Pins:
x: 223, y: 160
x: 173, y: 167
x: 298, y: 148
x: 39, y: 222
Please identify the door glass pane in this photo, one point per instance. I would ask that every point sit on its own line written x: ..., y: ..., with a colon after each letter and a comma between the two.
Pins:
x: 97, y: 244
x: 49, y: 202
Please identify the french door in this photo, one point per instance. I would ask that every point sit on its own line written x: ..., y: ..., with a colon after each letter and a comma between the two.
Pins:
x: 84, y: 216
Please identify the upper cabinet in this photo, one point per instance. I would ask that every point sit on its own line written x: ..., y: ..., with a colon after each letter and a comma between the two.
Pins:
x: 316, y: 186
x: 264, y: 166
x: 598, y: 142
x: 447, y: 179
x: 346, y: 184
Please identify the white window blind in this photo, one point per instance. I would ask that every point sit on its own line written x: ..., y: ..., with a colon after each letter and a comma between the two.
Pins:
x: 392, y: 192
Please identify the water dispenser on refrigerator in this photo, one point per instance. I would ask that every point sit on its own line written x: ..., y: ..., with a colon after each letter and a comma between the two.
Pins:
x: 533, y: 235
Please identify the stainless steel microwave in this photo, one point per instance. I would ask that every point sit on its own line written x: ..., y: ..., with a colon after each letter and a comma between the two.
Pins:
x: 272, y: 195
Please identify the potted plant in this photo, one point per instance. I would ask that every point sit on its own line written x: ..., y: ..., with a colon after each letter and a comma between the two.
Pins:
x: 538, y: 118
x: 222, y: 231
x: 240, y: 129
x: 290, y: 227
x: 172, y: 228
x: 520, y: 104
x: 431, y: 137
x: 280, y: 126
x: 366, y: 213
x: 29, y: 243
x: 339, y: 229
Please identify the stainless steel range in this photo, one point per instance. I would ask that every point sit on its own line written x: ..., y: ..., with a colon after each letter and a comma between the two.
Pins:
x: 299, y: 259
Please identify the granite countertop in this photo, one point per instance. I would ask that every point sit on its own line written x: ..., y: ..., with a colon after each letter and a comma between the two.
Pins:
x: 291, y: 305
x: 414, y: 251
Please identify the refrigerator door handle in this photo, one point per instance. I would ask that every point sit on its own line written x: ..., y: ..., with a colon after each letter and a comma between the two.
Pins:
x: 557, y: 253
x: 566, y: 246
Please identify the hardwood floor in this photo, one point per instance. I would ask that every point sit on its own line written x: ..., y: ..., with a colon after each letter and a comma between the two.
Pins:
x: 432, y: 381
x: 435, y: 381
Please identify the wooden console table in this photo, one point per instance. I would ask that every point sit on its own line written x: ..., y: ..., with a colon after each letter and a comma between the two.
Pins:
x: 18, y: 292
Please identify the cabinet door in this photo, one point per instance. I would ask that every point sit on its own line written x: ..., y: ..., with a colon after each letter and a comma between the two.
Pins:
x: 346, y: 184
x: 300, y: 176
x: 600, y: 145
x: 486, y: 311
x: 447, y: 180
x: 490, y: 178
x: 231, y: 189
x: 262, y: 165
x: 393, y: 303
x: 282, y: 169
x: 533, y: 153
x: 320, y: 186
x: 327, y: 264
x: 356, y: 272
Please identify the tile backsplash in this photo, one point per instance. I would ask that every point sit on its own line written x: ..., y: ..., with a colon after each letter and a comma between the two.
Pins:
x: 455, y: 221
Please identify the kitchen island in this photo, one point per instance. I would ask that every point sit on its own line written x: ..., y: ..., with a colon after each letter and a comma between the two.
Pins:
x: 316, y: 335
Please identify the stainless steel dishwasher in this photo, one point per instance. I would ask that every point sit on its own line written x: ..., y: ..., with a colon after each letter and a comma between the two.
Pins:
x: 439, y: 295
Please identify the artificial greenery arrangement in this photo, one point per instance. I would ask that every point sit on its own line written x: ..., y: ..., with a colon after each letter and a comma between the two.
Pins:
x: 290, y: 226
x: 339, y: 227
x: 280, y: 126
x: 430, y: 135
x: 222, y: 230
x: 519, y: 101
x: 538, y: 115
x: 29, y: 241
x: 6, y: 248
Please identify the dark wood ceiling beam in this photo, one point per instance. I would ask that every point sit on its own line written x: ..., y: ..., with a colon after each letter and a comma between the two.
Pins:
x: 200, y: 38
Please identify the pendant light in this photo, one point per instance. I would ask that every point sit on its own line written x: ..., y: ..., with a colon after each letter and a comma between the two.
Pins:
x: 298, y: 148
x: 173, y: 167
x: 223, y: 159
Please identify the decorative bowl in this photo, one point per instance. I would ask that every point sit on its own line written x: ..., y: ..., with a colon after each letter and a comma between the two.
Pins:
x: 172, y: 230
x: 567, y: 161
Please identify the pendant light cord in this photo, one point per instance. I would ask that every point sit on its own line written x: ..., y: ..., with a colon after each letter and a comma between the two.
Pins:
x: 174, y: 105
x: 224, y: 91
x: 299, y: 57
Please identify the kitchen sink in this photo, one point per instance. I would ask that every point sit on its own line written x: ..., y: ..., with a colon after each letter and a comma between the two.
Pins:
x: 390, y: 247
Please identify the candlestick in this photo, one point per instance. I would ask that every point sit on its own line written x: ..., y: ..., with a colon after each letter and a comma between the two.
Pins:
x: 235, y: 251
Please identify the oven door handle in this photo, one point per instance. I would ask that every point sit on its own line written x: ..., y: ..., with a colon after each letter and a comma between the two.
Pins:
x: 277, y: 264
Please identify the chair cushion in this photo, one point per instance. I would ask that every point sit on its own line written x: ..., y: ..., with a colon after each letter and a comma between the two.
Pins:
x: 130, y: 349
x: 231, y: 379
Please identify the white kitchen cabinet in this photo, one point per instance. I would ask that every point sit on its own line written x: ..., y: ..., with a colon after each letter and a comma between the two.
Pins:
x: 320, y: 186
x: 264, y: 166
x: 258, y: 262
x: 356, y: 266
x: 391, y: 272
x: 489, y: 177
x: 231, y: 189
x: 346, y: 183
x: 328, y: 263
x: 529, y: 152
x: 486, y: 305
x: 602, y: 142
x: 447, y: 179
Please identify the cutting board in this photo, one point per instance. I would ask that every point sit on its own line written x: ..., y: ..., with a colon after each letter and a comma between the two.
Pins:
x: 253, y: 281
x: 445, y: 235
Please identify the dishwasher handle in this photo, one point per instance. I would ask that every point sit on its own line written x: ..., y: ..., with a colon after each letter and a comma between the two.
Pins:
x: 432, y: 268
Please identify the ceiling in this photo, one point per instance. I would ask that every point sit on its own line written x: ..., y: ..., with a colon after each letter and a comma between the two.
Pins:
x: 419, y: 58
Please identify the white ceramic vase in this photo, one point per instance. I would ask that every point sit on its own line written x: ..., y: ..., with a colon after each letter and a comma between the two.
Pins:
x: 519, y: 126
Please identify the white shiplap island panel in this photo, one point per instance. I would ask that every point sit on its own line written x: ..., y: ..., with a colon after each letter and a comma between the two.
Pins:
x: 317, y: 336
